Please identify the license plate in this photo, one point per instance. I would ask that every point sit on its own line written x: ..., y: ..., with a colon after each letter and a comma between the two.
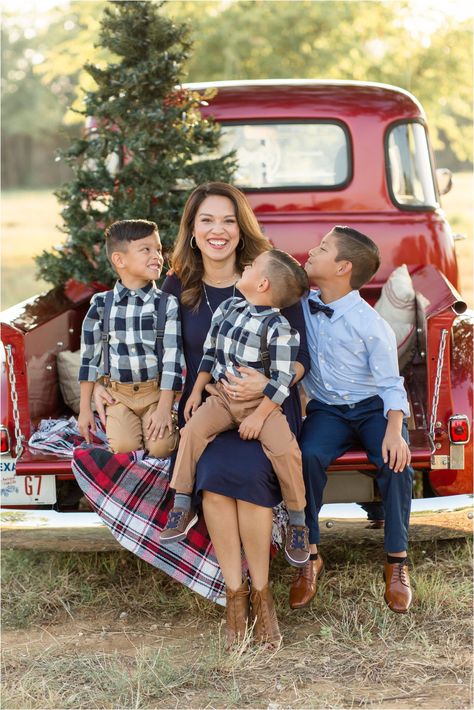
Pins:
x: 25, y: 490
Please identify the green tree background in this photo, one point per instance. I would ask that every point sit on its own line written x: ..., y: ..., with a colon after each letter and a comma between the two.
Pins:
x: 419, y: 46
x: 146, y: 145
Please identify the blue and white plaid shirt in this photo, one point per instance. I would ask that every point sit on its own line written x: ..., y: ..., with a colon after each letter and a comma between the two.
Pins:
x: 234, y: 340
x: 132, y: 342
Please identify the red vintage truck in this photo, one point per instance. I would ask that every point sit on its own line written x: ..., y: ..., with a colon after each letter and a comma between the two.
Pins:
x: 311, y: 154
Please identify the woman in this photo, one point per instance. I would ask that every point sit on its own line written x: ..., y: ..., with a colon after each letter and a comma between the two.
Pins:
x: 218, y: 236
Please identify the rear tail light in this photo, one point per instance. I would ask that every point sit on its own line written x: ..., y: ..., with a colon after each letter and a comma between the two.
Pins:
x: 458, y: 429
x: 4, y: 439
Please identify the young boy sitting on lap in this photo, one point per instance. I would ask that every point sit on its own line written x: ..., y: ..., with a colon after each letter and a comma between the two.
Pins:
x: 274, y: 280
x: 356, y: 397
x: 141, y: 415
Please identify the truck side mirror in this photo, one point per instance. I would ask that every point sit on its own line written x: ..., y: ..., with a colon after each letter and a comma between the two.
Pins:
x: 444, y: 178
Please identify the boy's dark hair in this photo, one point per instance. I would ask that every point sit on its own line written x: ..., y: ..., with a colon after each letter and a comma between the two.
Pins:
x: 361, y: 251
x: 127, y: 230
x: 288, y: 278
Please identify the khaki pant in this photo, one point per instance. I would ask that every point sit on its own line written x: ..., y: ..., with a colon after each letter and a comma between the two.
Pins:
x: 219, y: 413
x: 127, y: 419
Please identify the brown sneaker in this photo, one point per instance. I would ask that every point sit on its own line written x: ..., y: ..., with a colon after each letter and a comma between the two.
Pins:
x: 297, y: 545
x: 397, y: 587
x: 179, y: 523
x: 303, y: 589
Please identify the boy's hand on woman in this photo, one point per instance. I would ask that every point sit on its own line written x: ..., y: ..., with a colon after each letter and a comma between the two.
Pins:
x: 193, y: 403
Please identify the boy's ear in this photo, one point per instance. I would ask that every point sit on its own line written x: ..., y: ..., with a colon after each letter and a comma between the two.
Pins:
x: 117, y: 259
x: 343, y: 268
x: 264, y: 285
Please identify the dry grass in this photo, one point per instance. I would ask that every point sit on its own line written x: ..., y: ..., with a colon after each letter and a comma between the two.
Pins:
x: 29, y: 220
x: 107, y: 631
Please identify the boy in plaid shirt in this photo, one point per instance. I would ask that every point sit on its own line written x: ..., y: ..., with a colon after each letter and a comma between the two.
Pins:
x: 141, y: 415
x: 274, y: 280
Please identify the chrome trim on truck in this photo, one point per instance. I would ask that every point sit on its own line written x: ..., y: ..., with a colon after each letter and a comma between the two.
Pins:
x: 431, y: 518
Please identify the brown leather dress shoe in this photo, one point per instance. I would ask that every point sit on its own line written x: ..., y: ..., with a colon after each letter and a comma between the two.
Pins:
x: 303, y: 589
x: 397, y: 587
x: 237, y: 614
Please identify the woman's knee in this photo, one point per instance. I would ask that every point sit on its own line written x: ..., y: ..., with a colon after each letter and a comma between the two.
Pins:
x: 216, y: 500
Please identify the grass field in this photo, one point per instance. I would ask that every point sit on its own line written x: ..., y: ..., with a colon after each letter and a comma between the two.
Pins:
x: 30, y: 218
x: 109, y: 631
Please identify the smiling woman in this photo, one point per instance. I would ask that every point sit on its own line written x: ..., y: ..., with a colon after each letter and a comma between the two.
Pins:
x: 218, y: 236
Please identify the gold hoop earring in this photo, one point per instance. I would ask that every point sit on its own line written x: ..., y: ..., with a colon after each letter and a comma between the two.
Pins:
x: 241, y: 244
x: 193, y: 246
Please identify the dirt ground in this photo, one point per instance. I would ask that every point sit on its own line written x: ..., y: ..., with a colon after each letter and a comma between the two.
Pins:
x: 128, y: 642
x: 108, y: 631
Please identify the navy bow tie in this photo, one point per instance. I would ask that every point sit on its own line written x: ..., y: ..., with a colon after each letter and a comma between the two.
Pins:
x: 316, y: 307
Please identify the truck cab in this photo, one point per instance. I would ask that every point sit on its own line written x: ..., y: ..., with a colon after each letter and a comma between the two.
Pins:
x: 310, y: 155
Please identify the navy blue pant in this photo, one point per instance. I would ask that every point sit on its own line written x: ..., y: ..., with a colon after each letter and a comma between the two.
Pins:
x: 329, y: 431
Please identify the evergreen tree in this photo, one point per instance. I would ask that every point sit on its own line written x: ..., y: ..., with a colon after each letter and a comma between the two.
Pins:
x: 146, y: 144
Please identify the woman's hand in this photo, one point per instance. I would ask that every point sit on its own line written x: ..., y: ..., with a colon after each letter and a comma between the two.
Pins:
x: 101, y: 399
x: 250, y: 386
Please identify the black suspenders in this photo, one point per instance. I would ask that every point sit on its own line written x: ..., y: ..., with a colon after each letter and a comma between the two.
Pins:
x: 264, y: 354
x: 160, y: 332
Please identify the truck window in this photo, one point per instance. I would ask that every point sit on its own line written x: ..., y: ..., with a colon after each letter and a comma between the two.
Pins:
x: 410, y: 177
x: 289, y: 154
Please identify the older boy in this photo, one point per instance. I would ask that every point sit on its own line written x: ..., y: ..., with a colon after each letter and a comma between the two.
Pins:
x: 143, y: 396
x: 274, y: 280
x: 356, y: 395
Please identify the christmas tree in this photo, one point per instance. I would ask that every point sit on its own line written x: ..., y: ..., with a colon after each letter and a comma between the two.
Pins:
x: 145, y: 144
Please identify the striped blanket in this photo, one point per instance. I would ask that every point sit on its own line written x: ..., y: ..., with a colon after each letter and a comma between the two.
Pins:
x: 130, y: 493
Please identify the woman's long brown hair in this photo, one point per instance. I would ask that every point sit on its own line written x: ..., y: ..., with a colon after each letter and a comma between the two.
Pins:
x: 187, y: 262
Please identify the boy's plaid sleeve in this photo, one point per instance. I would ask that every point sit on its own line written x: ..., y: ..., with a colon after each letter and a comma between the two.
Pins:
x: 173, y: 360
x: 283, y: 345
x: 91, y: 341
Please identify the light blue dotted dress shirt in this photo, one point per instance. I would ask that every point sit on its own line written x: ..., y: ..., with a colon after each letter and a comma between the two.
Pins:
x: 353, y: 355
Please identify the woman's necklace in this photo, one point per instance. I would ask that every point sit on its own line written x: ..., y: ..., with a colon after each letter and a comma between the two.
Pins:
x: 207, y: 297
x: 219, y: 282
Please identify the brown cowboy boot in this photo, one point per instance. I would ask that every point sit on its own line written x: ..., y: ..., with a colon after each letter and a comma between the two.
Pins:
x: 237, y: 613
x: 263, y: 615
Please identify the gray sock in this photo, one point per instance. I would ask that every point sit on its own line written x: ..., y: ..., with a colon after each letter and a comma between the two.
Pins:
x: 297, y: 517
x: 182, y: 500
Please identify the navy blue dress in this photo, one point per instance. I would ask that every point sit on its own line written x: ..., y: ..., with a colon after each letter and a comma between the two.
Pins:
x: 229, y: 465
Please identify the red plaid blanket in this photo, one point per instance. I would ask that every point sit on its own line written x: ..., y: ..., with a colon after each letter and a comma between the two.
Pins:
x: 130, y: 493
